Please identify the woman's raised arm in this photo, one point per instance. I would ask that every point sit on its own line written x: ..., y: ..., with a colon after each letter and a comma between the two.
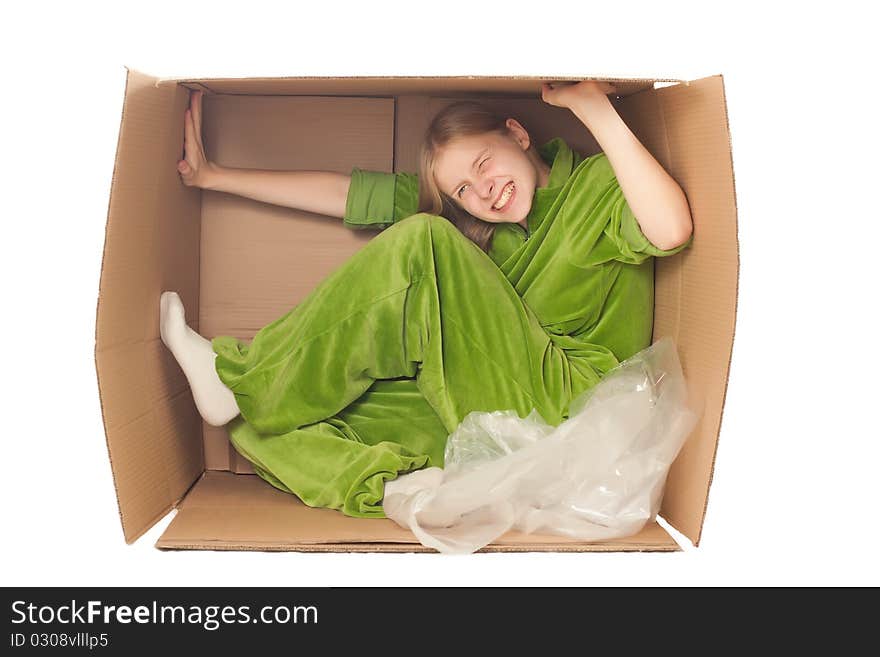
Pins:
x: 322, y: 192
x: 655, y: 198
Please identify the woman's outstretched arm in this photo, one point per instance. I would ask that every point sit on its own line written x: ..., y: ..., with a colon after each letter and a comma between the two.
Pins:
x: 656, y: 200
x: 323, y: 192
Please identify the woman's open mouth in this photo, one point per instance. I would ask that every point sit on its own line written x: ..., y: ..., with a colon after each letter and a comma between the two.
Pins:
x: 506, y: 199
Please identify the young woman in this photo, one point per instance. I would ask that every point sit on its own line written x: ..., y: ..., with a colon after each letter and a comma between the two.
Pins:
x: 526, y: 276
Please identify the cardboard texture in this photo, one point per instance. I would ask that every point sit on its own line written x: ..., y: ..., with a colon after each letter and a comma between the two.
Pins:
x: 256, y: 516
x: 239, y: 264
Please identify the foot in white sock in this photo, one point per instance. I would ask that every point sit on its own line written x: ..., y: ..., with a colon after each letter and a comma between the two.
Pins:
x: 194, y: 354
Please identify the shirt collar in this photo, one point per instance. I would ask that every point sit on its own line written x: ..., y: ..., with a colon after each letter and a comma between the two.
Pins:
x: 560, y: 157
x: 562, y: 162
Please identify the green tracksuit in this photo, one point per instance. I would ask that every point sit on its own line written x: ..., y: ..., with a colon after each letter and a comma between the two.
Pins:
x: 367, y: 376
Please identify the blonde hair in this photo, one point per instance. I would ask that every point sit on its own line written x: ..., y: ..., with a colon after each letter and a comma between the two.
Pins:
x: 461, y: 119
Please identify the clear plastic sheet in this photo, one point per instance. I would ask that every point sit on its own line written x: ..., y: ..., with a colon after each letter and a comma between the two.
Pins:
x: 598, y: 475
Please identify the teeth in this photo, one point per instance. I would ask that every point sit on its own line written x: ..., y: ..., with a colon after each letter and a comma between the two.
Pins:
x: 505, y: 195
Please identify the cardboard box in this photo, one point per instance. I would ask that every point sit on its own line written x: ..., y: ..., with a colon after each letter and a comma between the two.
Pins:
x: 162, y: 235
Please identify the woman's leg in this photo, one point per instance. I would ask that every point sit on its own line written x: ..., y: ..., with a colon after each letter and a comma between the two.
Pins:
x: 419, y: 300
x: 194, y: 354
x: 344, y: 462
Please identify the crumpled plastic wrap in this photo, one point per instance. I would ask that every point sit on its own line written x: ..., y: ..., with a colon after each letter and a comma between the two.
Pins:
x: 599, y: 475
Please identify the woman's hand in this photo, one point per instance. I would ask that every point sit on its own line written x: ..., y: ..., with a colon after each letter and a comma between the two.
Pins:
x: 577, y: 95
x: 322, y: 192
x: 194, y: 169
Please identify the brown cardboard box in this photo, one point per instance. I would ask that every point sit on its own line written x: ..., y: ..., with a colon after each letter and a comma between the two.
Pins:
x: 162, y: 235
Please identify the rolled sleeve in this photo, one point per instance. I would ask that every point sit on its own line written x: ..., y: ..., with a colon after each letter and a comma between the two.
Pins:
x: 625, y: 232
x: 377, y: 200
x: 632, y: 236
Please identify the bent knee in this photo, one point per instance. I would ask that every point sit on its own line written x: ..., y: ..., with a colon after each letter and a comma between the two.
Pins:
x: 425, y: 222
x: 423, y: 219
x: 431, y: 227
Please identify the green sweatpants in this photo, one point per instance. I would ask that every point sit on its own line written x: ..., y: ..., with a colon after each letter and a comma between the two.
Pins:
x: 367, y: 376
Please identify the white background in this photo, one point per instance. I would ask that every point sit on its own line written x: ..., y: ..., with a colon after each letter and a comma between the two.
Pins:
x: 795, y: 494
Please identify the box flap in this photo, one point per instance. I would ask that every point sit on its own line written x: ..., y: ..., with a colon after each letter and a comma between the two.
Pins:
x: 151, y: 243
x: 451, y: 86
x: 226, y: 511
x: 686, y: 128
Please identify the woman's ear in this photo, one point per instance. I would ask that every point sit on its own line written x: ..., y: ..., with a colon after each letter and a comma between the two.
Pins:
x: 518, y: 133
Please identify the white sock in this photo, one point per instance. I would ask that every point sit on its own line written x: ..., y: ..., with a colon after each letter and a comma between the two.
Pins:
x: 194, y: 354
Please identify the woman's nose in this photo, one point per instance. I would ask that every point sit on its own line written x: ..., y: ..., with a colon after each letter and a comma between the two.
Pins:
x: 486, y: 189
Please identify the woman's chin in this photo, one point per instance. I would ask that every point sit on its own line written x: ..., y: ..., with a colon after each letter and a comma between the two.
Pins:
x: 516, y: 218
x: 512, y: 217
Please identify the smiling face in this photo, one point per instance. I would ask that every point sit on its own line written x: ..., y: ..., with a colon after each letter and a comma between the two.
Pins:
x: 492, y: 176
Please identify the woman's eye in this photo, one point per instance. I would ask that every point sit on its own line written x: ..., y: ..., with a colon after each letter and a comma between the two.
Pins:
x: 463, y: 187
